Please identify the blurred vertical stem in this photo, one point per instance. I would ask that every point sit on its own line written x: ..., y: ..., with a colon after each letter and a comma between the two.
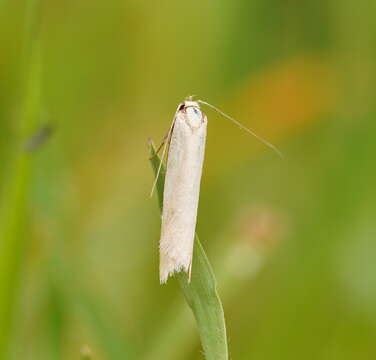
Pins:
x: 13, y: 204
x: 201, y: 293
x: 87, y: 308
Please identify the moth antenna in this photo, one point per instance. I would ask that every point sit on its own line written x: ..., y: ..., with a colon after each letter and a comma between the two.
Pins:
x: 190, y: 97
x: 265, y: 142
x: 166, y: 141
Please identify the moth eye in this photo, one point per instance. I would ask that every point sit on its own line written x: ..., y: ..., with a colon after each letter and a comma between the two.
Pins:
x: 181, y: 107
x: 194, y: 116
x: 197, y: 111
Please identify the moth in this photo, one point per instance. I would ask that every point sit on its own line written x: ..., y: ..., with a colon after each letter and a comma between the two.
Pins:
x: 186, y: 148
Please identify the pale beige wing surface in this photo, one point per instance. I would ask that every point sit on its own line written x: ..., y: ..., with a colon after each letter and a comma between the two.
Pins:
x: 181, y: 192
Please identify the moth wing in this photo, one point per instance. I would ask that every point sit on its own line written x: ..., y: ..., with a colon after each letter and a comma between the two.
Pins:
x: 181, y: 195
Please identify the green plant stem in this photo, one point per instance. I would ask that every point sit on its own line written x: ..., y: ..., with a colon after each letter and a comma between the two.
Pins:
x: 13, y: 205
x: 73, y: 295
x: 201, y: 292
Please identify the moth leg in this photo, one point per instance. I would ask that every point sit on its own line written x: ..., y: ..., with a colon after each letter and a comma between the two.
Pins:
x: 164, y: 144
x: 161, y: 145
x: 190, y: 272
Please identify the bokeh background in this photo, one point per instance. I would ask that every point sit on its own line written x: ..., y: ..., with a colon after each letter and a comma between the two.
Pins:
x: 292, y: 242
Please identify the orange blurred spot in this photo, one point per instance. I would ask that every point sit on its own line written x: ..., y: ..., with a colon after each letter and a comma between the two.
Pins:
x: 291, y: 95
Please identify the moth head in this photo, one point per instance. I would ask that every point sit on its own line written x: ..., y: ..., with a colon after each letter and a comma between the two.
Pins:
x: 192, y: 112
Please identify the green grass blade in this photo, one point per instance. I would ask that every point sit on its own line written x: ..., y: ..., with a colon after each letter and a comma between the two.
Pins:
x: 201, y: 293
x: 13, y: 209
x: 87, y: 308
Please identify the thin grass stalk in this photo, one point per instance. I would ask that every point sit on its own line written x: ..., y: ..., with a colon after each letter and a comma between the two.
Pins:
x: 14, y: 203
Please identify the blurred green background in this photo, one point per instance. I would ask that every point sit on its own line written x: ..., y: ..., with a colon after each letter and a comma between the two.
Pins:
x: 292, y: 242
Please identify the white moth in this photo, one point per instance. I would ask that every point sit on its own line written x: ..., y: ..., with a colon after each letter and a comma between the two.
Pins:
x: 182, y: 189
x: 186, y: 139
